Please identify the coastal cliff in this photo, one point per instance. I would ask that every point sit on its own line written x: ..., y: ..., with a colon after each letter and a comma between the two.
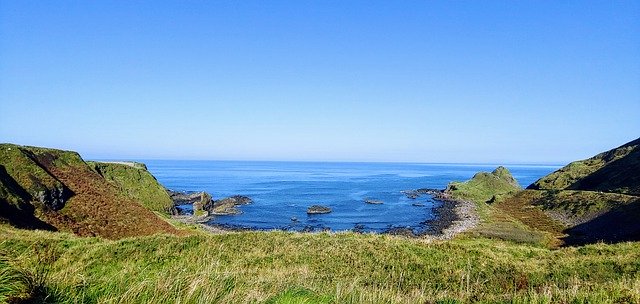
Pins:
x: 57, y: 190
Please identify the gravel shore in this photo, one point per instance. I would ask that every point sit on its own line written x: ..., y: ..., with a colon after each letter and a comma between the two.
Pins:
x: 452, y: 217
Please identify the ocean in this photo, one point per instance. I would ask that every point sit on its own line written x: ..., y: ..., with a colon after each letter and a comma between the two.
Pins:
x: 282, y: 191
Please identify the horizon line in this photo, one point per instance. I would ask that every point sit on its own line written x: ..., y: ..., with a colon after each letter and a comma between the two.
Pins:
x: 333, y: 161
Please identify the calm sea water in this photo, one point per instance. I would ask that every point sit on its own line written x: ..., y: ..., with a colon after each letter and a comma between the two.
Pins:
x: 282, y: 191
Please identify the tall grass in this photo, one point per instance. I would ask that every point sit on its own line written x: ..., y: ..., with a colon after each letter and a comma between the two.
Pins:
x: 278, y: 267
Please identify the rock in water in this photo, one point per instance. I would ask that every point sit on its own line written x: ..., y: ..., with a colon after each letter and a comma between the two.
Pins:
x: 227, y: 206
x: 317, y: 209
x: 373, y: 201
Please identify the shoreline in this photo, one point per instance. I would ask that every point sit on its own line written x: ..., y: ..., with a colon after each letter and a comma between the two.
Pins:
x: 451, y: 218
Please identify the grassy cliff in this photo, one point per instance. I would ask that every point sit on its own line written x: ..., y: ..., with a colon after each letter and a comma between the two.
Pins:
x: 616, y: 171
x: 56, y: 190
x: 134, y: 180
x: 279, y: 267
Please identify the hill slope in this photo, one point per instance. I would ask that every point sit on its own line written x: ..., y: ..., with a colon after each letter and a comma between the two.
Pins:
x: 616, y: 170
x: 134, y: 180
x: 597, y: 199
x: 484, y: 186
x: 56, y: 190
x: 512, y: 222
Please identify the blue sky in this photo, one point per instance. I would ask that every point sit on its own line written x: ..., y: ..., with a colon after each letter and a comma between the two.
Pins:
x: 422, y: 81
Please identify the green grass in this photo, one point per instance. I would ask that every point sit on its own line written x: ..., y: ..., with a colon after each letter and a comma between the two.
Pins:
x: 279, y: 267
x: 580, y: 203
x: 136, y: 182
x: 497, y: 223
x: 23, y: 170
x: 610, y: 171
x: 488, y: 191
x: 485, y: 186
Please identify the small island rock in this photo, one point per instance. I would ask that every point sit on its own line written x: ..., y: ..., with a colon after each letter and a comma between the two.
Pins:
x: 317, y: 209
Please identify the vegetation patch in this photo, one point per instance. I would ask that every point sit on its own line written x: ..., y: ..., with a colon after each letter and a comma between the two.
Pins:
x: 56, y: 190
x: 134, y: 180
x: 614, y: 171
x: 484, y: 186
x: 279, y: 267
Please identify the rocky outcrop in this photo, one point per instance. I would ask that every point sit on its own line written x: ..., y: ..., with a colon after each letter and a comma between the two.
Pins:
x: 201, y: 202
x: 373, y: 202
x: 229, y: 205
x: 318, y: 209
x: 200, y: 207
x: 184, y: 198
x: 414, y: 194
x: 204, y: 205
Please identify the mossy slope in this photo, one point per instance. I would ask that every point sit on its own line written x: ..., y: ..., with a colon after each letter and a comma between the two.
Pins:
x: 488, y: 190
x: 134, y: 180
x: 56, y: 190
x: 597, y: 199
x: 616, y: 170
x: 485, y: 186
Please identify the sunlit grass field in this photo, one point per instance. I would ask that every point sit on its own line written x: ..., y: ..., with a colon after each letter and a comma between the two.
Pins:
x: 279, y: 267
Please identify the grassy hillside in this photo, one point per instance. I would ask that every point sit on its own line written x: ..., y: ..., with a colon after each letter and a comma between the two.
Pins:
x: 501, y: 217
x: 616, y: 170
x: 584, y: 202
x: 137, y: 183
x: 597, y: 199
x: 278, y: 267
x: 56, y: 190
x: 485, y: 186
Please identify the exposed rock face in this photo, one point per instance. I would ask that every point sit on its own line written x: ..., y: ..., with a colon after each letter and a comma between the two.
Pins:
x: 200, y: 201
x: 200, y: 207
x: 204, y: 205
x: 183, y: 198
x: 54, y: 198
x: 318, y: 209
x: 22, y: 166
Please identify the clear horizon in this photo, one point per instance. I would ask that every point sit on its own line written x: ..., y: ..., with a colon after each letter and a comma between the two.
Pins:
x: 359, y: 81
x: 321, y: 161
